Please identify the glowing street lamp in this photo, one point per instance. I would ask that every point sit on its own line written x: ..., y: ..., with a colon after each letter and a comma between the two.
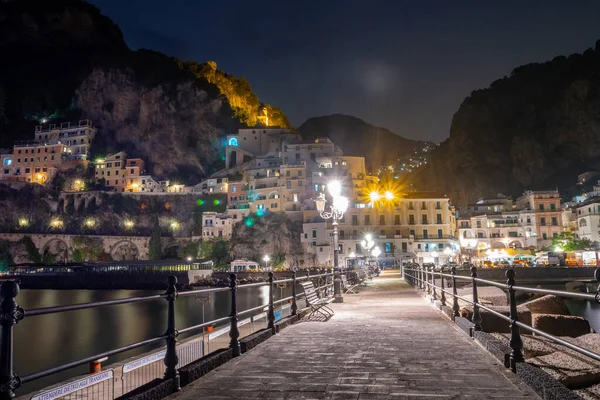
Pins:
x: 339, y: 205
x: 374, y: 196
x: 266, y: 259
x: 389, y: 195
x: 128, y: 224
x: 376, y: 252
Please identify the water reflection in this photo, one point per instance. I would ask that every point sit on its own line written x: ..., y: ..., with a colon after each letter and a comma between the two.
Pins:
x: 46, y: 341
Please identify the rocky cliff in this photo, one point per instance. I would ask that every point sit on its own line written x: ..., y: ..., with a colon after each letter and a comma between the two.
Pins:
x: 537, y: 128
x: 63, y: 60
x: 356, y: 137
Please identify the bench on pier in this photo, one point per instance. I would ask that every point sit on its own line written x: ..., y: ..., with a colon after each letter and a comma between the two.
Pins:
x: 317, y: 304
x: 347, y: 287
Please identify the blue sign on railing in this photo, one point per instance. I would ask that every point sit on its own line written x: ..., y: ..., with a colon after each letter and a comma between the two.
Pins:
x: 278, y: 315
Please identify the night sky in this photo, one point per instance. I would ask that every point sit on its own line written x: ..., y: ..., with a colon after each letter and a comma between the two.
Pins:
x: 404, y: 65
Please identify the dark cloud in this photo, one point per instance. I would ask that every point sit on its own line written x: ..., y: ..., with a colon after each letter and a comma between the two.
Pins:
x: 406, y: 65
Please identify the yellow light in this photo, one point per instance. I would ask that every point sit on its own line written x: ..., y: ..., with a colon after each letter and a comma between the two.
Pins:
x: 39, y: 176
x: 128, y: 224
x: 23, y: 222
x: 56, y: 223
x: 77, y: 182
x: 374, y: 196
x: 89, y: 222
x: 174, y: 225
x: 135, y: 185
x: 389, y: 195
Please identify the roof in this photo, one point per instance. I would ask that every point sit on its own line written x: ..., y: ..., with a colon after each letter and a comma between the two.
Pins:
x: 424, y: 195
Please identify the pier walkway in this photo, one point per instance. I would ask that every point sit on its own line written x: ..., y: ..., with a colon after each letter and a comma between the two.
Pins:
x: 386, y: 342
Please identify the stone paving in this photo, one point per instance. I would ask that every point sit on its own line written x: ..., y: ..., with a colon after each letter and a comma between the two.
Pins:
x: 386, y: 342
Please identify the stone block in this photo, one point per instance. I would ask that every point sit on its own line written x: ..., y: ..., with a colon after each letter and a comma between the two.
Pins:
x: 590, y: 341
x: 153, y: 390
x: 589, y: 393
x: 572, y: 370
x: 548, y: 304
x: 201, y: 367
x: 254, y: 339
x: 533, y: 346
x: 487, y: 295
x: 493, y: 323
x: 561, y: 325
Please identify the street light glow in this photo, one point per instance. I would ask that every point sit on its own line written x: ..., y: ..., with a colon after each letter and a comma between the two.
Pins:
x: 340, y: 203
x: 266, y: 258
x: 389, y: 195
x: 376, y: 251
x: 335, y: 188
x: 374, y: 196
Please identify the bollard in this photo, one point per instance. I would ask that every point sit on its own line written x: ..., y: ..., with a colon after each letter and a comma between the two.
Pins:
x: 455, y: 307
x: 271, y: 312
x: 337, y: 287
x: 234, y: 332
x: 442, y: 287
x: 11, y: 314
x: 476, y: 319
x: 516, y: 344
x: 171, y: 360
x: 294, y: 306
x: 434, y: 294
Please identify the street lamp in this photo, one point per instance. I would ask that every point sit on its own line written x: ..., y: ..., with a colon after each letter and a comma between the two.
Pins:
x: 376, y: 252
x: 339, y: 205
x: 266, y: 260
x: 389, y: 195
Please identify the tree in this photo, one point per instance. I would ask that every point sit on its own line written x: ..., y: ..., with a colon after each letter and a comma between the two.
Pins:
x: 189, y: 250
x: 220, y: 252
x: 155, y: 250
x: 567, y: 241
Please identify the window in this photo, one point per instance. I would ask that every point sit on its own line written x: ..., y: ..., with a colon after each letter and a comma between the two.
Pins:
x: 554, y: 235
x: 107, y: 173
x: 314, y: 233
x: 545, y: 236
x: 439, y: 218
x: 553, y: 207
x: 382, y: 220
x: 396, y: 220
x: 480, y: 235
x: 419, y: 246
x: 52, y: 157
x: 289, y: 184
x: 27, y: 170
x: 478, y: 224
x: 287, y: 173
x: 411, y: 219
x: 117, y: 172
x: 354, y: 219
x: 438, y: 205
x: 299, y: 173
x: 541, y: 207
x: 299, y: 183
x: 554, y: 221
x: 412, y: 232
x: 440, y: 234
x: 132, y: 171
x: 6, y: 171
x: 26, y: 158
x: 367, y: 220
x: 234, y: 189
x: 341, y: 233
x: 423, y: 205
x: 37, y: 170
x: 410, y: 205
x: 543, y: 221
x: 583, y: 222
x: 425, y: 234
x: 7, y: 161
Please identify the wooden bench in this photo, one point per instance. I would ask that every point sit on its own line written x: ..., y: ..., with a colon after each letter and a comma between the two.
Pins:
x: 316, y: 303
x: 346, y: 286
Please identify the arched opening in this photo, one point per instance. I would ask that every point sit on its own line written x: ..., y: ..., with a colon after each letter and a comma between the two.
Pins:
x: 124, y: 250
x: 232, y: 159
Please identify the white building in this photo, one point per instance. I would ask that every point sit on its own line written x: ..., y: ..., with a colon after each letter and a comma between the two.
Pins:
x: 216, y: 225
x: 77, y: 137
x: 317, y: 243
x: 588, y: 219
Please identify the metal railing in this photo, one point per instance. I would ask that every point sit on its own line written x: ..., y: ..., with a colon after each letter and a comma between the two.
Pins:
x: 11, y: 313
x: 424, y: 279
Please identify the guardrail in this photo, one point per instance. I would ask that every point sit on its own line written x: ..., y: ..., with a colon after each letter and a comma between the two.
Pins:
x: 11, y: 314
x: 424, y: 279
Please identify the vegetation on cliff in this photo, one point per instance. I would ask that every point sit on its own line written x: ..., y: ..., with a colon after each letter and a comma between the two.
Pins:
x: 535, y: 129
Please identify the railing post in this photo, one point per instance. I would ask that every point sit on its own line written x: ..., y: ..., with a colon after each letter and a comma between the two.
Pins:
x: 427, y: 283
x: 422, y: 283
x: 442, y: 287
x: 234, y: 332
x: 516, y: 344
x: 337, y: 287
x: 10, y: 315
x: 455, y: 307
x: 476, y: 318
x: 434, y: 294
x: 171, y: 360
x: 294, y: 307
x: 271, y: 312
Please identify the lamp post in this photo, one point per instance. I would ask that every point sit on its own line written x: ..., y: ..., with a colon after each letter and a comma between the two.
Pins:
x: 266, y: 260
x: 339, y: 205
